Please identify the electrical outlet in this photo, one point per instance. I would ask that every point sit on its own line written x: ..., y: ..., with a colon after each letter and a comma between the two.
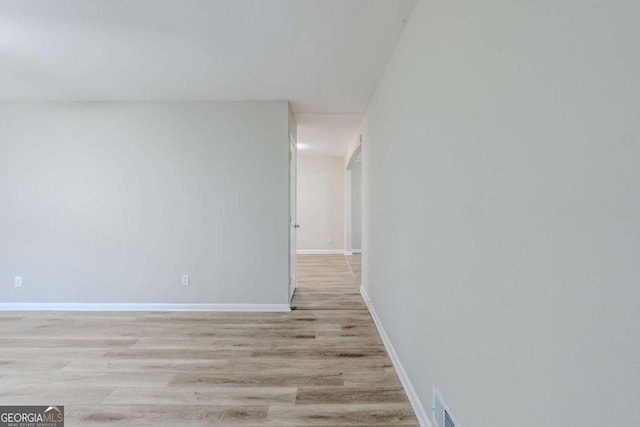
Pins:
x: 186, y: 281
x: 329, y: 240
x: 17, y: 281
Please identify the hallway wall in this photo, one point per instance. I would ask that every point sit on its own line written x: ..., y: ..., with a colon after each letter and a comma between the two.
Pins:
x: 502, y: 179
x: 320, y: 203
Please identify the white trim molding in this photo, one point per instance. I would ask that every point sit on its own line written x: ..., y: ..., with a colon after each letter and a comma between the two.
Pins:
x: 421, y: 414
x: 37, y: 306
x: 320, y: 252
x: 356, y: 251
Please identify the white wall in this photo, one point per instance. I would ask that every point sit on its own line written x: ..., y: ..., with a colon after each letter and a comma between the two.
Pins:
x: 356, y: 206
x: 502, y: 175
x: 112, y: 202
x: 321, y: 201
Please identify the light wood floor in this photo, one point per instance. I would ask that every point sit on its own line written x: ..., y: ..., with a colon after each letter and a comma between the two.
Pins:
x: 323, y: 364
x: 326, y: 282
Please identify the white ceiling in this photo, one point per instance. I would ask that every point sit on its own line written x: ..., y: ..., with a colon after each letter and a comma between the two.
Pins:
x: 325, y: 56
x: 326, y: 134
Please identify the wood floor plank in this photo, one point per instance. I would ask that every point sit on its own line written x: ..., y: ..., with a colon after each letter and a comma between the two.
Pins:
x: 72, y: 395
x: 169, y: 415
x: 344, y: 414
x: 209, y: 395
x: 254, y: 380
x: 341, y: 395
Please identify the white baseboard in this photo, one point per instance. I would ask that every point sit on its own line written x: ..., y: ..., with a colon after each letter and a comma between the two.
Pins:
x: 356, y: 251
x: 320, y: 251
x: 348, y: 252
x: 419, y: 410
x: 19, y: 306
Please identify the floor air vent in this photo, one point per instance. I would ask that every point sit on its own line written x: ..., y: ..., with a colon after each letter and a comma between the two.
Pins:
x: 441, y: 412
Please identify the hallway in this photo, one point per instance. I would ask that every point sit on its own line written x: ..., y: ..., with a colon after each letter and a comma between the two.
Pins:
x: 328, y: 291
x: 328, y: 282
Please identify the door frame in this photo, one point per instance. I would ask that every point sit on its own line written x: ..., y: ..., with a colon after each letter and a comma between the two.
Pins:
x: 348, y: 203
x: 293, y: 176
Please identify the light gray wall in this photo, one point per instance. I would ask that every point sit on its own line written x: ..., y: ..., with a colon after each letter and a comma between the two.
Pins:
x: 356, y: 206
x: 321, y: 201
x: 502, y: 171
x: 112, y: 202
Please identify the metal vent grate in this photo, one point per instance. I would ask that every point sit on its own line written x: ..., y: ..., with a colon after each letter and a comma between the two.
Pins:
x: 441, y: 412
x: 448, y: 422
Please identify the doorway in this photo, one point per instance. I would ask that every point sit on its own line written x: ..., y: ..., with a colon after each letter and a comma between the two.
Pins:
x: 356, y: 206
x: 293, y: 225
x: 353, y: 213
